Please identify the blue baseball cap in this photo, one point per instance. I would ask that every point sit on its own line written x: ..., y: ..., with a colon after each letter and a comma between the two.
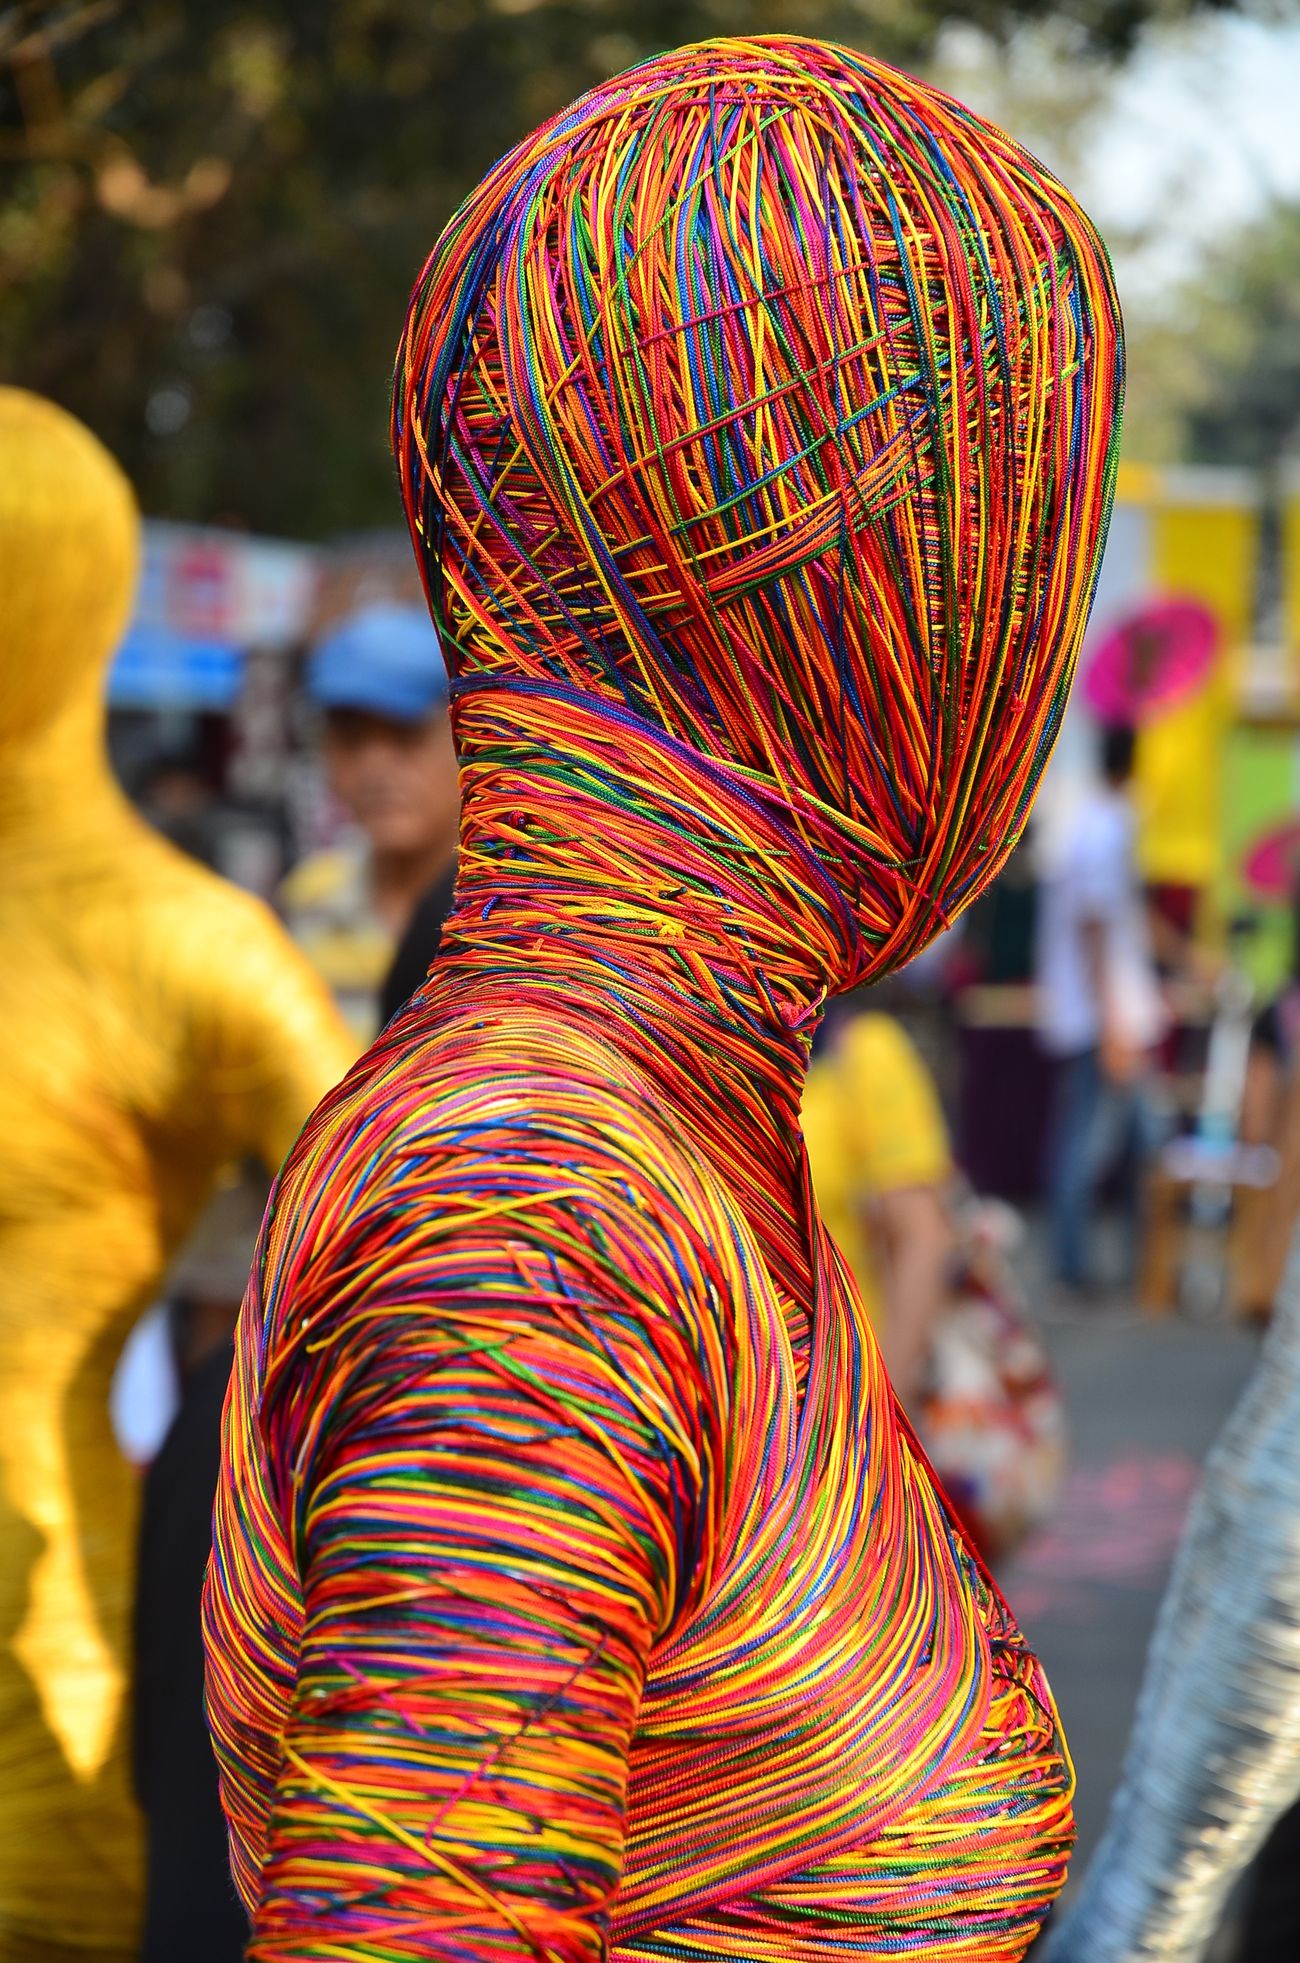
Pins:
x: 385, y: 660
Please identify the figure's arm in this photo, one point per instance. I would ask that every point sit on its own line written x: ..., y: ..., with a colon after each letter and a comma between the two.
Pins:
x: 916, y: 1242
x: 904, y: 1166
x: 495, y: 1518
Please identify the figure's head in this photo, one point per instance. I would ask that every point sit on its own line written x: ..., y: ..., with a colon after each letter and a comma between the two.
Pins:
x: 772, y: 395
x: 69, y: 550
x: 381, y: 682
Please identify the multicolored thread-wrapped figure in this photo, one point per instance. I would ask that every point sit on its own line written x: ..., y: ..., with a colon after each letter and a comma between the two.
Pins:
x: 578, y: 1590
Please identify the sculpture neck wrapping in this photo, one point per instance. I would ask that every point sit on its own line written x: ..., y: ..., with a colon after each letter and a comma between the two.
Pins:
x: 56, y: 787
x: 610, y: 875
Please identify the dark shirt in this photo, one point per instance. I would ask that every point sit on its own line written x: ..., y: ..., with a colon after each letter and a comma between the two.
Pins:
x: 417, y: 948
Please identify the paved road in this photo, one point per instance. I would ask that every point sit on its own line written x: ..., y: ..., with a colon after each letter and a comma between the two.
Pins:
x: 1145, y: 1399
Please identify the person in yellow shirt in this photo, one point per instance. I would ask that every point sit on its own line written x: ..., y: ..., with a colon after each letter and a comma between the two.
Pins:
x: 158, y: 1024
x: 936, y: 1273
x: 880, y: 1159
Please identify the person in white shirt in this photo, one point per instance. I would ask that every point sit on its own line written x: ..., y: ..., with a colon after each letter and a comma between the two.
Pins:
x: 1100, y: 1012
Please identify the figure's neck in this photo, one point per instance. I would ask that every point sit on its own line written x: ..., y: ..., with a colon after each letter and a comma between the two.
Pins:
x: 628, y: 886
x: 55, y: 783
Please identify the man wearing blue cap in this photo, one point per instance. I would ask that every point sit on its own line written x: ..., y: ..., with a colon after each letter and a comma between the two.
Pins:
x: 381, y: 682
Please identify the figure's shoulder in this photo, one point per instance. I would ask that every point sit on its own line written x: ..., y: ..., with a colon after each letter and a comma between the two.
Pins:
x: 245, y: 1025
x: 171, y: 917
x: 159, y: 886
x: 198, y: 929
x: 477, y: 1102
x: 515, y: 1141
x: 496, y: 1227
x: 177, y: 887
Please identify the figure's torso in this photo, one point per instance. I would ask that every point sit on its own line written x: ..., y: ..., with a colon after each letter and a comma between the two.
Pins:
x: 834, y: 1667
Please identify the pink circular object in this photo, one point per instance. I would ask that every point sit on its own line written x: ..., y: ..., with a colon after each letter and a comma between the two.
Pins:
x: 1153, y: 660
x: 1272, y: 864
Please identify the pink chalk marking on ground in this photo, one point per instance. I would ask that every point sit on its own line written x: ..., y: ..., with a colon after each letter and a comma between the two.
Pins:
x: 1117, y: 1526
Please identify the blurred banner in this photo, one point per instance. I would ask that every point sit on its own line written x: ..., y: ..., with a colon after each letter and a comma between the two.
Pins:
x: 1202, y: 540
x: 212, y: 584
x: 206, y: 596
x: 1176, y: 533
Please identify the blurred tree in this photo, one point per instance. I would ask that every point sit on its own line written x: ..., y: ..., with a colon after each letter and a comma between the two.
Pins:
x: 1214, y: 362
x: 1214, y: 376
x: 211, y: 211
x: 1241, y: 387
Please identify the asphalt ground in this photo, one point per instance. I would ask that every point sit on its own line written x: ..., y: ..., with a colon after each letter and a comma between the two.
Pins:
x: 1145, y: 1399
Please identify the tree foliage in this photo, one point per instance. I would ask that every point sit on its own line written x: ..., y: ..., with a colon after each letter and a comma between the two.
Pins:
x: 1215, y: 372
x: 1244, y: 405
x: 211, y: 211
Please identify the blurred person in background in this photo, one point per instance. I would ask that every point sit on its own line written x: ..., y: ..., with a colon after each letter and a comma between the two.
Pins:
x: 996, y: 942
x: 178, y: 800
x: 934, y: 1267
x: 1270, y: 1115
x: 158, y: 1024
x: 881, y: 1165
x: 1100, y: 1013
x: 380, y: 680
x: 191, y: 1908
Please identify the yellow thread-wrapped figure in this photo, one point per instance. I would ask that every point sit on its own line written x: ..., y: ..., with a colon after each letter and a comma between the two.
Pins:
x: 156, y: 1023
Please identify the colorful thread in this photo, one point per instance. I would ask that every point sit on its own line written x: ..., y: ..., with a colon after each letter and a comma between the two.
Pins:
x: 577, y: 1587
